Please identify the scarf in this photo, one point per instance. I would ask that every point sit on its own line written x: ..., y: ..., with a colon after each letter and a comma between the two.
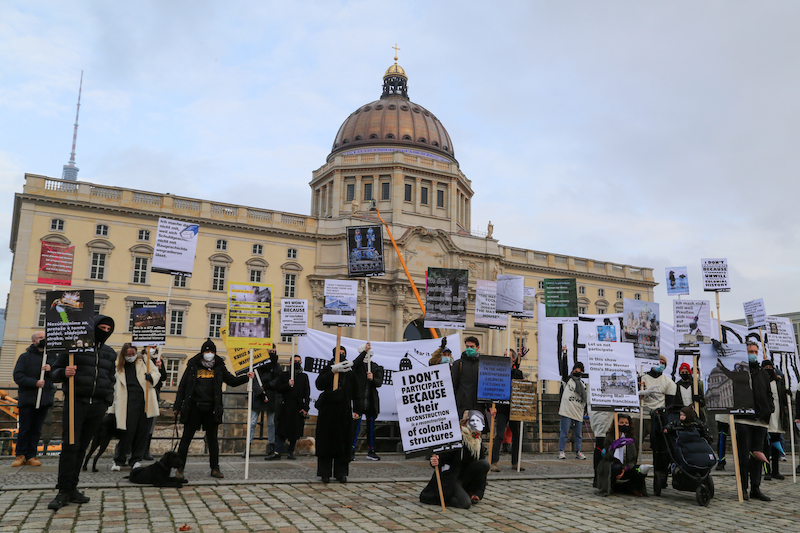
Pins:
x: 471, y: 443
x: 580, y: 388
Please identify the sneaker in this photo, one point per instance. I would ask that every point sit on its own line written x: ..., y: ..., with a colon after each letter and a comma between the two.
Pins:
x: 372, y: 456
x: 580, y: 456
x: 19, y: 461
x: 645, y: 469
x: 562, y: 455
x: 77, y: 497
x: 33, y: 461
x: 216, y: 473
x: 274, y: 457
x: 514, y: 467
x: 137, y: 464
x: 495, y: 468
x: 291, y: 456
x: 115, y: 467
x: 61, y: 500
x: 721, y: 465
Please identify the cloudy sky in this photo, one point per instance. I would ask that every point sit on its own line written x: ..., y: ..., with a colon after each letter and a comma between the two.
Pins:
x: 644, y: 133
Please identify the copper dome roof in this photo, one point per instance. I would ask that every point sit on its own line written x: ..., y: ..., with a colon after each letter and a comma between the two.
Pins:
x: 393, y: 120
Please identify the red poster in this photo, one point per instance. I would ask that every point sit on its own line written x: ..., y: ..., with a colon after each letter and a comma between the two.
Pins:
x: 55, y: 263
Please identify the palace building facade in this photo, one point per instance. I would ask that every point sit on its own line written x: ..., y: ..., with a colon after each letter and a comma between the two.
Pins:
x: 391, y: 152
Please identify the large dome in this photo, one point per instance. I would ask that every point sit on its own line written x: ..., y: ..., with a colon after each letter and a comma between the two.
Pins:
x: 393, y: 120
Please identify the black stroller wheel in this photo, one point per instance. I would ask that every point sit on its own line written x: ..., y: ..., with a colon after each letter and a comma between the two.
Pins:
x: 711, y: 485
x: 656, y: 484
x: 703, y: 495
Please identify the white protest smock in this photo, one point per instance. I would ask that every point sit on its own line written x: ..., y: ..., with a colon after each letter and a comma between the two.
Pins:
x: 601, y: 421
x: 662, y: 386
x: 775, y: 418
x: 686, y: 395
x: 572, y: 405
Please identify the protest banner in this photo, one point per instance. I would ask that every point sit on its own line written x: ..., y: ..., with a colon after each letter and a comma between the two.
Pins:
x: 780, y: 335
x: 149, y: 323
x: 446, y: 291
x: 715, y: 275
x: 612, y: 377
x: 485, y: 313
x: 561, y: 300
x: 240, y: 357
x: 426, y: 409
x: 175, y: 246
x: 755, y: 314
x: 55, y: 263
x: 365, y: 251
x: 294, y: 317
x: 510, y: 294
x: 692, y: 321
x: 641, y: 327
x: 726, y: 376
x: 677, y: 281
x: 528, y: 304
x: 249, y: 317
x: 341, y: 299
x: 494, y: 378
x: 524, y: 401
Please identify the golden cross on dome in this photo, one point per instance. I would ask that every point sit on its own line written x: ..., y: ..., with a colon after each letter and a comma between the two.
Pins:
x: 395, y: 52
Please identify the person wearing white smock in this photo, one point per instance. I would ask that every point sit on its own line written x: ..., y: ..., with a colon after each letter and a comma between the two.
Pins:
x: 573, y: 405
x: 656, y: 392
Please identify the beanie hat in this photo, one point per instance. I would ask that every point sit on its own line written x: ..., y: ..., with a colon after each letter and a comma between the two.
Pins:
x: 684, y: 366
x: 689, y: 412
x: 578, y: 365
x: 208, y: 346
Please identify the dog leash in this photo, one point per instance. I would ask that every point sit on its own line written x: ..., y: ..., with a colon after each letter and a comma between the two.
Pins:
x: 175, y: 433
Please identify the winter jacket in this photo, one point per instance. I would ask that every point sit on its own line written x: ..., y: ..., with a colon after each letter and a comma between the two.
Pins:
x: 465, y: 384
x: 762, y: 398
x: 269, y: 372
x: 120, y: 406
x: 572, y: 404
x: 368, y: 390
x: 452, y: 466
x: 96, y: 367
x: 777, y: 421
x: 184, y: 400
x: 630, y: 456
x: 336, y: 408
x: 26, y: 374
x: 289, y: 420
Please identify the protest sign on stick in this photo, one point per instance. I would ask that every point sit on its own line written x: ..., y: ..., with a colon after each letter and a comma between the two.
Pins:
x: 510, y: 294
x: 642, y: 328
x: 677, y: 281
x: 692, y: 321
x: 486, y: 315
x: 341, y: 300
x: 446, y: 292
x: 715, y: 275
x: 755, y: 314
x: 561, y: 300
x: 365, y: 251
x: 175, y: 246
x: 612, y: 377
x: 55, y: 263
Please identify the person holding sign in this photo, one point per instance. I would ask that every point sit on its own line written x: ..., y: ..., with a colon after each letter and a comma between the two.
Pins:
x: 571, y: 410
x: 199, y: 402
x: 27, y: 372
x: 464, y: 470
x: 93, y: 376
x: 130, y: 390
x: 155, y: 361
x: 777, y: 421
x: 337, y: 410
x: 270, y: 372
x: 465, y: 377
x: 656, y: 392
x: 619, y: 470
x: 369, y: 377
x: 296, y: 396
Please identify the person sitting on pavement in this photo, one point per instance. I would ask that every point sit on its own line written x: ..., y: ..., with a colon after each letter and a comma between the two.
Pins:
x: 619, y: 470
x: 464, y: 470
x: 571, y: 410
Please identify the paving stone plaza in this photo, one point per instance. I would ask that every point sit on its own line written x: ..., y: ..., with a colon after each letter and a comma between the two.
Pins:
x: 285, y: 496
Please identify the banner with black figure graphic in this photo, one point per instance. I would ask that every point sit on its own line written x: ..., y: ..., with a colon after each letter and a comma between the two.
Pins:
x: 175, y: 246
x: 692, y: 321
x: 486, y: 315
x: 149, y: 323
x: 365, y: 251
x: 446, y: 291
x: 494, y: 378
x: 642, y: 327
x: 426, y: 410
x: 726, y: 376
x: 612, y: 376
x: 561, y: 300
x: 67, y: 320
x: 677, y: 281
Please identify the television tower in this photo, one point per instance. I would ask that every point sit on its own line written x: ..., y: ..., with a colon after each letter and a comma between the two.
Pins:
x: 70, y: 171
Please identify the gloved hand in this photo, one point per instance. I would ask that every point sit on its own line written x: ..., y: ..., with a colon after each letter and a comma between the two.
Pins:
x: 523, y: 352
x: 619, y: 443
x: 444, y: 343
x: 344, y: 366
x: 149, y: 378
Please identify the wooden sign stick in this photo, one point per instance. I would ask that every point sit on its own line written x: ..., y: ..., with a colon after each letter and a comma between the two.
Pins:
x: 439, y: 483
x: 695, y: 386
x: 337, y: 358
x: 249, y: 414
x: 366, y: 288
x: 41, y: 378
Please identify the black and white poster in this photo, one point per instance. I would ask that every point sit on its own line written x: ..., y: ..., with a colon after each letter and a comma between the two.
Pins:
x: 175, y: 246
x: 692, y: 321
x: 755, y: 314
x: 510, y: 293
x: 446, y: 293
x: 365, y: 251
x: 780, y: 335
x: 485, y: 314
x: 528, y: 304
x: 341, y: 299
x: 642, y: 327
x: 726, y: 375
x: 426, y: 409
x: 67, y: 320
x: 149, y: 323
x: 715, y: 275
x: 294, y: 317
x: 612, y: 376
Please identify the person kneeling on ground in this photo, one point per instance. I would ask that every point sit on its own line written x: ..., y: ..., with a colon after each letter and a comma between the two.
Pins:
x: 618, y: 470
x: 463, y: 471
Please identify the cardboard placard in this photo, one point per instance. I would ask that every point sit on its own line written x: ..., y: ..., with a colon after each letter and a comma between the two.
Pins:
x: 446, y: 292
x: 494, y: 378
x: 341, y: 300
x: 149, y: 323
x: 55, y: 263
x: 249, y: 317
x: 524, y: 401
x: 175, y: 246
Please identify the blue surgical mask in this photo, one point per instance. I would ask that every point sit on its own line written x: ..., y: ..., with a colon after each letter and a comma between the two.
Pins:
x: 752, y: 357
x: 471, y: 352
x: 446, y: 360
x: 658, y: 368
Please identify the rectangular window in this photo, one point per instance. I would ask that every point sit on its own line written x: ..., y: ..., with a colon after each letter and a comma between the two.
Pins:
x: 97, y: 309
x: 179, y: 281
x: 581, y: 310
x: 440, y: 198
x: 424, y: 196
x: 176, y: 323
x: 255, y: 276
x: 214, y: 323
x: 98, y: 270
x: 408, y: 192
x: 218, y: 279
x: 140, y: 269
x: 601, y: 311
x: 385, y: 190
x: 367, y: 192
x: 56, y: 224
x: 581, y: 290
x: 637, y: 296
x: 222, y: 245
x: 351, y: 192
x: 288, y: 291
x: 144, y: 234
x: 291, y: 253
x: 286, y: 338
x: 619, y: 295
x: 101, y: 230
x: 42, y: 319
x: 171, y: 367
x: 258, y: 249
x: 541, y: 285
x: 601, y: 293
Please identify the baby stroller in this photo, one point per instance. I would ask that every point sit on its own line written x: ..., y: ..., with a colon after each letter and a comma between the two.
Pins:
x: 685, y: 453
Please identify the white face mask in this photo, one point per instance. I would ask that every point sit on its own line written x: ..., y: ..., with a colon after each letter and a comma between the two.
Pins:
x: 131, y: 358
x: 152, y: 351
x: 208, y: 356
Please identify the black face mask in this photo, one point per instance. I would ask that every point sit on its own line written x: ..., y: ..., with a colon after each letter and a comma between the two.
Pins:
x: 41, y: 344
x: 686, y: 377
x: 298, y: 368
x: 625, y: 429
x: 576, y: 374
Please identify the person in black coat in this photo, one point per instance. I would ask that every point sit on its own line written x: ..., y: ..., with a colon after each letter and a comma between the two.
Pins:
x: 337, y: 410
x: 269, y: 372
x: 94, y: 376
x: 291, y: 418
x: 503, y: 420
x: 199, y: 402
x: 368, y: 384
x: 27, y: 372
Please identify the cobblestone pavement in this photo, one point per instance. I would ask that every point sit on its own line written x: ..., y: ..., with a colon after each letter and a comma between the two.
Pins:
x: 531, y: 502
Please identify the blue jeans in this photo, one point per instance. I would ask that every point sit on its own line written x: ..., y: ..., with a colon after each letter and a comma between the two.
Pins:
x: 254, y: 416
x: 567, y: 423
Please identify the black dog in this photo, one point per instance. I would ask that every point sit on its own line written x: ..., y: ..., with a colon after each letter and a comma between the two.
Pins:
x: 102, y: 436
x: 158, y: 473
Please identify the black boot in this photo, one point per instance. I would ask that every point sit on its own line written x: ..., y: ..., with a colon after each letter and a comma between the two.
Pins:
x: 77, y: 497
x: 775, y: 462
x: 756, y: 494
x: 61, y: 500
